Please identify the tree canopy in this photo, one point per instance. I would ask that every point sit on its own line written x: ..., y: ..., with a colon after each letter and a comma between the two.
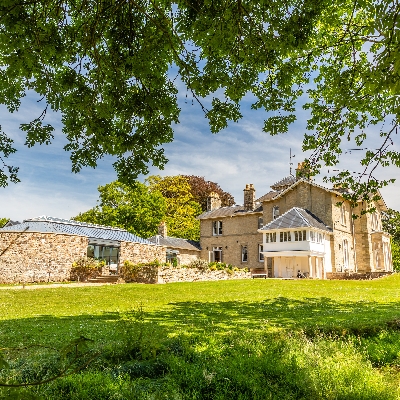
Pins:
x: 132, y: 207
x: 181, y: 207
x: 106, y: 66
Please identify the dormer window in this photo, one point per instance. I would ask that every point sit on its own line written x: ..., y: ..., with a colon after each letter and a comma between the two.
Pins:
x: 217, y: 228
x: 275, y: 212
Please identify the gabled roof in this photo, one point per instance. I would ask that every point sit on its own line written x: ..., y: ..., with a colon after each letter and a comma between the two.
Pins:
x: 176, y: 243
x: 284, y: 183
x: 296, y: 218
x: 58, y: 225
x: 229, y: 212
x: 268, y: 196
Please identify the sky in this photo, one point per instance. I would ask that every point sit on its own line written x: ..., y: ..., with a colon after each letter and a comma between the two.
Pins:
x: 240, y: 154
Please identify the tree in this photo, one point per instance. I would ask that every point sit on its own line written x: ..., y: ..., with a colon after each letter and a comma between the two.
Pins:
x: 391, y: 224
x: 131, y: 207
x: 181, y: 208
x: 3, y: 221
x: 201, y: 189
x: 103, y: 64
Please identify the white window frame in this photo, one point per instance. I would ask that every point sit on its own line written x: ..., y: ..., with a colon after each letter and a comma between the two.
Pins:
x: 260, y: 254
x: 275, y: 212
x: 217, y: 228
x: 245, y: 253
x: 345, y: 254
x: 270, y: 237
x: 300, y: 236
x: 285, y: 237
x: 343, y: 214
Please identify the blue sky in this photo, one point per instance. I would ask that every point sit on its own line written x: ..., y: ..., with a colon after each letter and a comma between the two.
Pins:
x: 240, y: 154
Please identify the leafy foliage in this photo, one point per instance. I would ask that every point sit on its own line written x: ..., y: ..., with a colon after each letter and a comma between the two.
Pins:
x: 86, y: 268
x: 3, y: 221
x: 181, y: 206
x: 104, y: 66
x: 391, y: 224
x: 201, y: 189
x: 132, y: 207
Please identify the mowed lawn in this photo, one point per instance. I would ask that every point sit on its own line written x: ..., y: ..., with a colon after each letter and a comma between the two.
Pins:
x: 244, y: 339
x: 51, y: 315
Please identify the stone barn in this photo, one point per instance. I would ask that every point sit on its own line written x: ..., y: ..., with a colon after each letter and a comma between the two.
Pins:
x: 43, y: 249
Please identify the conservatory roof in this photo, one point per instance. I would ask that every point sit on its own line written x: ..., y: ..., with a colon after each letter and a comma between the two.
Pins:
x: 57, y: 225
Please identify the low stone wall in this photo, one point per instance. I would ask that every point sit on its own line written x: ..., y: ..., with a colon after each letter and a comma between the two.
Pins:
x: 356, y: 276
x: 39, y: 257
x: 140, y: 253
x: 171, y: 274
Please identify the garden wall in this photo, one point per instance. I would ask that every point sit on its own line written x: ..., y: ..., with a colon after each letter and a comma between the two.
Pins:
x: 140, y: 253
x: 356, y: 276
x: 171, y: 274
x: 39, y: 257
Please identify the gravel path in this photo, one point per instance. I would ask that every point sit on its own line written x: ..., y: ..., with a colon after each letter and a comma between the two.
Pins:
x: 54, y: 285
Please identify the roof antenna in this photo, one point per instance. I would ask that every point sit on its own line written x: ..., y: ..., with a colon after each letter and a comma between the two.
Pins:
x: 290, y: 162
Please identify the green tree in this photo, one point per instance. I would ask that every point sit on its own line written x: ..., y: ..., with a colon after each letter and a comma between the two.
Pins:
x: 132, y: 207
x: 391, y: 224
x: 104, y: 65
x: 3, y: 221
x: 181, y: 208
x: 201, y: 189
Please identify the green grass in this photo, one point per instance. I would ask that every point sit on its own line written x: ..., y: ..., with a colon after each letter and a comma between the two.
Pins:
x: 249, y: 339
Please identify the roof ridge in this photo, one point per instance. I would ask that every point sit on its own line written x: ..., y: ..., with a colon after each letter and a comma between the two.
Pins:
x: 301, y: 215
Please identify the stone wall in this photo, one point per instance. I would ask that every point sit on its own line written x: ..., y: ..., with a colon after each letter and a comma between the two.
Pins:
x: 170, y: 274
x: 237, y: 231
x: 357, y: 276
x: 140, y: 253
x: 185, y: 257
x: 39, y: 257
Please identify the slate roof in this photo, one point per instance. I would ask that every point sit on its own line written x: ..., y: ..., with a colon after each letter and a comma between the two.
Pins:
x: 58, y: 225
x: 284, y: 183
x: 228, y: 212
x: 268, y: 196
x: 176, y: 243
x: 296, y: 218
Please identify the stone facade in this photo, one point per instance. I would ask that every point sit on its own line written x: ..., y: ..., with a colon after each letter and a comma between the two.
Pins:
x: 357, y: 245
x: 185, y: 257
x: 237, y: 232
x: 140, y: 253
x: 39, y: 257
x: 169, y: 275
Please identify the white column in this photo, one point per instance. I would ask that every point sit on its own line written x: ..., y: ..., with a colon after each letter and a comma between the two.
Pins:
x: 310, y: 267
x: 323, y: 272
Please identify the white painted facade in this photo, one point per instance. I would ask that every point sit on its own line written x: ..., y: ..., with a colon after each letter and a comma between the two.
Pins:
x: 310, y: 256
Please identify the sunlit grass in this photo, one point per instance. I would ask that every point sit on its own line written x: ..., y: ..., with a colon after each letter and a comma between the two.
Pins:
x: 306, y: 338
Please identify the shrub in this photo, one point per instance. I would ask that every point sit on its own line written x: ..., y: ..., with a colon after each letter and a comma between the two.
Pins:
x: 141, y: 272
x: 85, y: 268
x: 199, y: 264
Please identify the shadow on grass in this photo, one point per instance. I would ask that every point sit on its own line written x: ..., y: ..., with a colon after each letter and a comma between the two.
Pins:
x: 310, y: 315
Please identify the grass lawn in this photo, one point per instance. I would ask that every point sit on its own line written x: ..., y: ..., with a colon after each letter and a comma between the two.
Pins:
x: 248, y: 339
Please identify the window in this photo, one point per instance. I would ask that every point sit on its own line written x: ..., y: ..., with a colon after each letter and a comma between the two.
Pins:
x: 260, y: 222
x: 217, y: 228
x: 275, y: 212
x: 260, y: 254
x: 345, y: 254
x: 312, y: 236
x: 216, y: 255
x: 244, y: 253
x: 299, y: 236
x: 375, y: 221
x: 270, y: 237
x: 285, y: 237
x: 343, y: 214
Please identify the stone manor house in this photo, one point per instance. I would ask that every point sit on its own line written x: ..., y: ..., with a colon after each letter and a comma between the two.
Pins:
x: 296, y: 228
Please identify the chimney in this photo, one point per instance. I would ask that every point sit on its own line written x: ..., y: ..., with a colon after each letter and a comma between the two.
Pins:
x: 213, y: 201
x: 249, y: 197
x: 162, y: 229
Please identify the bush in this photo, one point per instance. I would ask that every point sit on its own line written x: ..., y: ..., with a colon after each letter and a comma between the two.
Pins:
x: 141, y: 272
x: 85, y: 268
x: 199, y: 264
